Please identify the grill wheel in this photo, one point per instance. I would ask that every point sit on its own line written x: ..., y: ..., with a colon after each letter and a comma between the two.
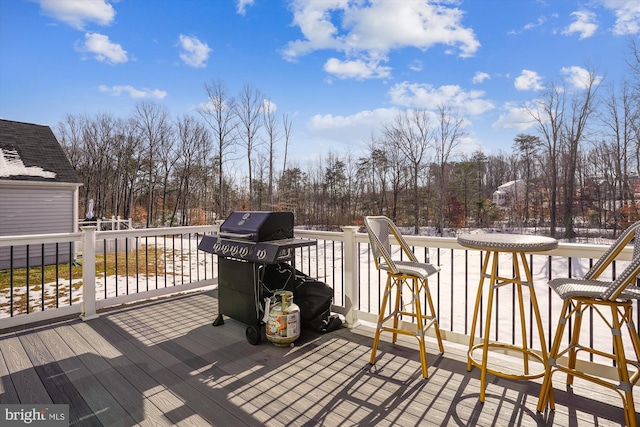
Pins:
x: 253, y: 334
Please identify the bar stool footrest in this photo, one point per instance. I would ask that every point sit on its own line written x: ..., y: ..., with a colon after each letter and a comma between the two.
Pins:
x: 525, y: 353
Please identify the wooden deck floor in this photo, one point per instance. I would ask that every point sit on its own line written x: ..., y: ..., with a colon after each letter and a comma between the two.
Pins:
x: 163, y: 363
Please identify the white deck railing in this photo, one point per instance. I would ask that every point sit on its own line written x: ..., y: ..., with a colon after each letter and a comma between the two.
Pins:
x: 340, y: 259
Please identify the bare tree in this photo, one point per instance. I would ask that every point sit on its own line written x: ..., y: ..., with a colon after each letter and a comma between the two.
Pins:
x: 100, y: 136
x: 374, y: 171
x: 412, y: 134
x: 526, y: 145
x: 131, y: 154
x: 618, y: 118
x: 193, y: 142
x: 220, y: 115
x: 286, y: 127
x: 447, y: 136
x: 633, y: 62
x: 152, y: 122
x: 273, y: 136
x: 249, y: 112
x: 260, y: 176
x: 548, y: 116
x: 582, y: 106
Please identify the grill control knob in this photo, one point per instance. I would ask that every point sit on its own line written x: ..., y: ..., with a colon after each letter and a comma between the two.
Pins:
x: 261, y: 254
x: 244, y: 252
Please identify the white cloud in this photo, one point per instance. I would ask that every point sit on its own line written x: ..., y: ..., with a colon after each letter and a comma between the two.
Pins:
x: 241, y: 6
x: 416, y: 95
x: 357, y: 69
x: 77, y: 13
x: 578, y: 77
x: 627, y: 16
x: 103, y: 49
x: 528, y: 80
x: 367, y: 117
x: 480, y: 77
x: 367, y: 31
x: 416, y: 65
x: 328, y: 130
x: 514, y: 117
x: 531, y: 25
x: 585, y: 24
x: 194, y: 52
x: 133, y: 92
x: 269, y: 106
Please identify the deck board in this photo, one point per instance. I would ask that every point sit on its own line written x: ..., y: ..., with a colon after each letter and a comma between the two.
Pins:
x: 22, y: 374
x: 163, y: 363
x: 8, y: 393
x: 57, y: 384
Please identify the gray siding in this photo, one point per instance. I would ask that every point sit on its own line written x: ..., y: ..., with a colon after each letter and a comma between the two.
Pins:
x: 35, y: 209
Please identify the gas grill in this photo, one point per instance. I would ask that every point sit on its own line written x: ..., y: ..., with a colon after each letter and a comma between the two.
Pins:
x: 247, y: 242
x: 261, y: 237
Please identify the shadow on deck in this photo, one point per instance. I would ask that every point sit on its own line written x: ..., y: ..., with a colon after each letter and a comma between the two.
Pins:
x: 163, y: 363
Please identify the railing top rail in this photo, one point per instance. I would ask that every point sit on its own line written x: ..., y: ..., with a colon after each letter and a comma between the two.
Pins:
x: 320, y: 234
x: 575, y: 250
x: 164, y: 231
x: 33, y: 239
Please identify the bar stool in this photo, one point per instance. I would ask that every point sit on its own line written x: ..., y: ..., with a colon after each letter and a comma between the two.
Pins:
x: 616, y: 297
x: 410, y: 273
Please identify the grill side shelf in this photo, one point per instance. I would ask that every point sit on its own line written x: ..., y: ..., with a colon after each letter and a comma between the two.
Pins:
x: 269, y: 252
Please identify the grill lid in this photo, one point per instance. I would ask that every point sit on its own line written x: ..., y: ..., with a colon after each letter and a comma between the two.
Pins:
x: 258, y: 226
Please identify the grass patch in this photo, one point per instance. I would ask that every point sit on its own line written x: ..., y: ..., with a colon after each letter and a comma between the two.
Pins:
x: 147, y: 260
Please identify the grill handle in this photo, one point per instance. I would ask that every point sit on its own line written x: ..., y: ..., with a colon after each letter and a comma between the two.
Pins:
x: 235, y: 235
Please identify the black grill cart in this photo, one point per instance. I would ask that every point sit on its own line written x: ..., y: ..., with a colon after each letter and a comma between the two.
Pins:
x: 247, y: 242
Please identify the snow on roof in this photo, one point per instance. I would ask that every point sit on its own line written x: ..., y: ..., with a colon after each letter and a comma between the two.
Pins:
x: 12, y: 165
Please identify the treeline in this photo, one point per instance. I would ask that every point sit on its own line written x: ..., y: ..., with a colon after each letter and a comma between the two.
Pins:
x: 581, y: 165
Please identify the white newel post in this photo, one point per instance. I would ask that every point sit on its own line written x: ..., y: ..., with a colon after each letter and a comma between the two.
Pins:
x: 351, y: 275
x: 89, y: 274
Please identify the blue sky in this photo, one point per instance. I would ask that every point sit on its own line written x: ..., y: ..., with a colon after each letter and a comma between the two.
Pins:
x: 338, y: 68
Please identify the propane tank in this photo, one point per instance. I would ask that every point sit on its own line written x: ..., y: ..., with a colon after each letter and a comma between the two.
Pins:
x: 283, y: 327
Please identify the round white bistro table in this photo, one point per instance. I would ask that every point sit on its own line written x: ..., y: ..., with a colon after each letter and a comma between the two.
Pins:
x: 518, y: 246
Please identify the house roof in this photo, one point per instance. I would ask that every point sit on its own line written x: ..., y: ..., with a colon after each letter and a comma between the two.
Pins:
x: 30, y: 152
x: 511, y: 184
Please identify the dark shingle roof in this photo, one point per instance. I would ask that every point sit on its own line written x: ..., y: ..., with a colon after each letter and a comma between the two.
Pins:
x: 35, y: 147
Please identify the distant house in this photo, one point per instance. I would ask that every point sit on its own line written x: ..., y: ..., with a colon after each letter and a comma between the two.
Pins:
x: 508, y: 193
x: 38, y: 191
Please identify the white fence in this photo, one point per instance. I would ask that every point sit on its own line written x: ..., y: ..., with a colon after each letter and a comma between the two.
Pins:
x: 340, y: 259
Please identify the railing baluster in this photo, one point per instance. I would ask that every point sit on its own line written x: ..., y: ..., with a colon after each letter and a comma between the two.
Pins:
x: 57, y: 296
x: 146, y: 259
x: 198, y: 255
x: 137, y: 264
x: 11, y: 270
x: 42, y: 277
x: 451, y: 293
x: 104, y: 263
x: 466, y: 292
x: 182, y: 259
x: 28, y: 277
x: 126, y: 263
x: 71, y: 262
x: 155, y: 258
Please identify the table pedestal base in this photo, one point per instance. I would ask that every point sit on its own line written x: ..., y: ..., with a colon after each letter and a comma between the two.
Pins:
x: 521, y: 281
x: 527, y: 355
